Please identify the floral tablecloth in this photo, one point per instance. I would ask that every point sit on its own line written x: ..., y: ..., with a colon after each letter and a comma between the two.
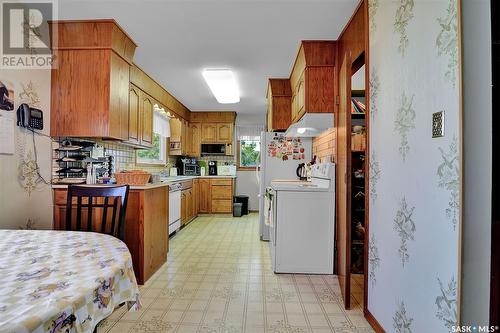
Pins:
x: 62, y: 281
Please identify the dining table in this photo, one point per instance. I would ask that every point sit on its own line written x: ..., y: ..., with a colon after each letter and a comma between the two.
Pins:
x: 62, y: 281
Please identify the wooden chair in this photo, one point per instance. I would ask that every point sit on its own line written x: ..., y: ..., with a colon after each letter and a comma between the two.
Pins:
x: 98, y: 201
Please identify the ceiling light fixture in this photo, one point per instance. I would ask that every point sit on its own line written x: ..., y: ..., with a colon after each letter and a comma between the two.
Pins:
x: 222, y: 83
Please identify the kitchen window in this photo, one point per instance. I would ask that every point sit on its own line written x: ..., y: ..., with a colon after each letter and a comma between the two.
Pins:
x: 248, y: 153
x: 248, y: 146
x: 158, y: 154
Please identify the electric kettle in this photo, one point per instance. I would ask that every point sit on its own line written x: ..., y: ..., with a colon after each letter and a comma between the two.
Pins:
x: 301, y: 171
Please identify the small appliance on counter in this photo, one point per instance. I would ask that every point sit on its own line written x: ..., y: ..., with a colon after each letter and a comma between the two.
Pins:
x: 212, y: 168
x: 304, y: 170
x: 188, y: 167
x: 173, y: 172
x: 226, y: 170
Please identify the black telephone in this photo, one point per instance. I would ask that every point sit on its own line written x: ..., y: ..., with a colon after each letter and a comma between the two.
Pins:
x: 29, y: 117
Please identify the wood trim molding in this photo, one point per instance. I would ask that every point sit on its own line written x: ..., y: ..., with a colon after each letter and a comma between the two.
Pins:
x: 373, y: 322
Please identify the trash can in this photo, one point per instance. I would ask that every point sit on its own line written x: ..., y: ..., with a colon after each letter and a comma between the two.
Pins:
x: 243, y: 199
x: 237, y: 206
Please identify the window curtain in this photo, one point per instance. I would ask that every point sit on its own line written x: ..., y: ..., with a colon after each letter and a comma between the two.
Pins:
x: 249, y: 132
x: 161, y: 124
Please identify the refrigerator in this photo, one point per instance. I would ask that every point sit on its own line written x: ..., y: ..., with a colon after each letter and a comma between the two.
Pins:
x: 279, y: 159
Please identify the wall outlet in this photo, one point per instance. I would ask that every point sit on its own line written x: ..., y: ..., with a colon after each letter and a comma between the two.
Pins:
x: 438, y: 124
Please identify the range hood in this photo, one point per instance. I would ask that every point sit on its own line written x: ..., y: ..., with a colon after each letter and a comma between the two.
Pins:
x: 311, y: 125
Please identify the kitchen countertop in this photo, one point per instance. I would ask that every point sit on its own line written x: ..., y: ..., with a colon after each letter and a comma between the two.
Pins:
x: 149, y: 186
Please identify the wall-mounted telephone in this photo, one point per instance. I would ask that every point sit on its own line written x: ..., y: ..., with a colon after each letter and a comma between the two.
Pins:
x: 29, y: 117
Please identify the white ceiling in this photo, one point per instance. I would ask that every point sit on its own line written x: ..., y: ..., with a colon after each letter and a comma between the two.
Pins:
x: 257, y: 39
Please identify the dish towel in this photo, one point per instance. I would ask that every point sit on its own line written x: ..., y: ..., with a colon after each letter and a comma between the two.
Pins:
x: 267, y: 211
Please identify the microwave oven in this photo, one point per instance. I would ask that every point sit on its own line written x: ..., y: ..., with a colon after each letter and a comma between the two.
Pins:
x: 213, y: 149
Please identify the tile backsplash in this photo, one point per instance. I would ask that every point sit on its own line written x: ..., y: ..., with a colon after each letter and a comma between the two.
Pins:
x: 124, y: 157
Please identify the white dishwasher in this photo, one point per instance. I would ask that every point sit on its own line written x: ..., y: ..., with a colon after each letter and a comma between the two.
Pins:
x: 174, y: 208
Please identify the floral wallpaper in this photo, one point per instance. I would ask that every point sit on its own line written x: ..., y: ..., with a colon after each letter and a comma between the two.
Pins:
x: 449, y: 173
x: 405, y: 227
x: 402, y: 322
x: 374, y: 259
x: 405, y: 121
x: 374, y: 91
x: 374, y: 176
x: 404, y: 14
x: 414, y: 184
x: 25, y: 200
x: 447, y: 40
x: 446, y: 303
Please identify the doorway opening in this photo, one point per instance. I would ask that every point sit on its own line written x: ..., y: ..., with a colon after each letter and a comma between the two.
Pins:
x: 358, y: 187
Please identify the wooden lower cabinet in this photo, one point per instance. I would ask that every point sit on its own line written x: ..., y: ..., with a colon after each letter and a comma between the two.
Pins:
x: 188, y: 212
x: 196, y: 196
x: 204, y: 195
x: 146, y: 227
x: 183, y: 207
x: 216, y: 195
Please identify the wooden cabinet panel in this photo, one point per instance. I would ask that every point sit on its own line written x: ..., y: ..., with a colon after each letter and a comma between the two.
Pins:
x: 215, y: 181
x: 134, y: 115
x: 313, y: 79
x: 185, y: 138
x: 204, y: 195
x: 146, y: 227
x: 118, y: 97
x: 222, y: 192
x: 90, y: 85
x: 279, y: 104
x: 175, y: 130
x: 142, y: 80
x: 225, y: 132
x: 301, y: 97
x: 146, y: 120
x: 208, y: 132
x: 155, y: 230
x: 221, y: 206
x: 183, y: 207
x: 195, y: 139
x: 196, y: 196
x: 189, y: 204
x: 213, y: 117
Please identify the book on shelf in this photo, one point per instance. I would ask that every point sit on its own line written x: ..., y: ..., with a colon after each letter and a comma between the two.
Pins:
x: 357, y: 107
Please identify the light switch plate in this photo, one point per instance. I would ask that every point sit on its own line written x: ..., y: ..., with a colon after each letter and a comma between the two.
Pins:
x: 438, y: 124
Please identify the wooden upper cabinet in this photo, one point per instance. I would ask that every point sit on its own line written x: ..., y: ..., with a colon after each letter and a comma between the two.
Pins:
x: 225, y: 132
x: 279, y: 104
x: 90, y: 82
x: 143, y: 81
x: 185, y: 137
x: 195, y: 129
x: 147, y: 120
x: 134, y: 115
x: 208, y: 132
x: 313, y: 78
x: 213, y: 117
